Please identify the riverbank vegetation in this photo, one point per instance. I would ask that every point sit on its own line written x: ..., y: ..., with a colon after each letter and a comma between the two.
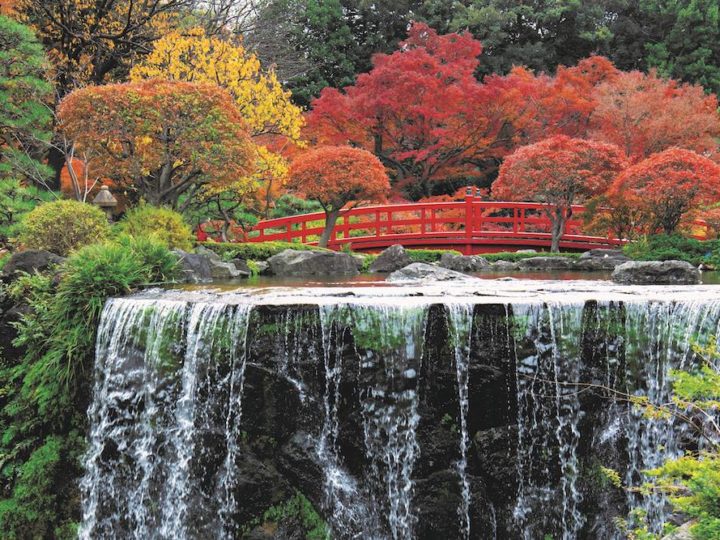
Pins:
x: 208, y: 120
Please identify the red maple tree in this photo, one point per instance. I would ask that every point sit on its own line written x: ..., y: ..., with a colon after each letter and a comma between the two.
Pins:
x: 666, y: 186
x: 420, y: 110
x: 559, y: 171
x: 339, y: 178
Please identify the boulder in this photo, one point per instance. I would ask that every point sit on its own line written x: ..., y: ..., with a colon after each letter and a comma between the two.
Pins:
x: 195, y: 267
x: 293, y: 263
x: 503, y: 266
x: 426, y: 272
x: 656, y: 273
x: 546, y: 264
x: 263, y: 268
x: 242, y: 267
x: 393, y: 258
x: 29, y: 261
x: 463, y: 263
x: 601, y: 260
x: 225, y: 271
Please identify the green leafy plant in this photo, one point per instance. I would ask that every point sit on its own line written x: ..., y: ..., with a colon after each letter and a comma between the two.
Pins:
x: 675, y: 247
x: 16, y: 200
x: 161, y: 223
x: 63, y: 226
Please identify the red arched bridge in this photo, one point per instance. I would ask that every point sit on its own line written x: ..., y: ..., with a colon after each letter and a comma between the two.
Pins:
x: 470, y: 226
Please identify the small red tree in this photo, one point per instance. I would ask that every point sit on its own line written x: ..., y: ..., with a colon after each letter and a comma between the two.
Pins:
x: 667, y: 185
x: 559, y: 171
x: 336, y: 176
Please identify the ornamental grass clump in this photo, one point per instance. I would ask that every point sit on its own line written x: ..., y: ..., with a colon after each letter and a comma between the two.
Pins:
x: 63, y: 226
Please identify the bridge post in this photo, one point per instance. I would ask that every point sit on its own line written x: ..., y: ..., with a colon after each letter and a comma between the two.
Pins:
x: 468, y: 220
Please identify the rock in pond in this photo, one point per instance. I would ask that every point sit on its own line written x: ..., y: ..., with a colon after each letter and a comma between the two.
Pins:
x: 393, y: 258
x: 598, y: 260
x: 29, y: 261
x: 293, y: 263
x: 426, y: 272
x: 656, y: 273
x: 463, y: 263
x: 503, y: 266
x: 205, y: 267
x: 546, y: 263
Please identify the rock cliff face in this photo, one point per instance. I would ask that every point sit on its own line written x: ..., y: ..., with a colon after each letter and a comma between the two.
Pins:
x: 413, y: 418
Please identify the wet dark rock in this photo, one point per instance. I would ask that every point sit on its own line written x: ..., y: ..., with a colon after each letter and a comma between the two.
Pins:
x: 426, y: 272
x: 546, y: 264
x: 30, y: 261
x: 463, y: 263
x: 293, y: 263
x: 656, y: 273
x: 392, y: 259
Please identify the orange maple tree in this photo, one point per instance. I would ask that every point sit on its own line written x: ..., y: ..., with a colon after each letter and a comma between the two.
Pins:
x: 666, y: 186
x: 644, y: 114
x: 339, y: 178
x: 163, y: 139
x: 559, y: 171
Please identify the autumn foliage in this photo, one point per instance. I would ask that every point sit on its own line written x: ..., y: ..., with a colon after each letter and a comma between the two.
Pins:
x: 559, y: 171
x: 666, y: 186
x: 163, y: 139
x: 339, y: 178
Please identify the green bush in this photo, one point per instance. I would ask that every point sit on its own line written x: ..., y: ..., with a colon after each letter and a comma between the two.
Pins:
x: 259, y: 251
x: 45, y: 392
x: 162, y: 223
x: 16, y: 200
x: 679, y: 248
x: 63, y: 226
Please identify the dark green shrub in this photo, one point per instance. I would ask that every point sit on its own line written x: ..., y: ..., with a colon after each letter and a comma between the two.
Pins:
x: 289, y: 205
x: 259, y: 251
x: 45, y: 392
x: 679, y: 248
x: 162, y: 223
x: 63, y: 226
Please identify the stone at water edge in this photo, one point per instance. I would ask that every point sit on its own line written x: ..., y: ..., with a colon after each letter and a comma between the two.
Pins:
x: 463, y: 263
x: 293, y: 263
x: 681, y: 533
x: 503, y: 266
x: 546, y: 263
x: 29, y: 261
x: 203, y: 267
x: 656, y: 273
x: 391, y: 259
x: 426, y: 272
x: 601, y: 260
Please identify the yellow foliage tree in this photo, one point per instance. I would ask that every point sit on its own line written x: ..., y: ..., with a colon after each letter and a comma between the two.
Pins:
x: 272, y: 119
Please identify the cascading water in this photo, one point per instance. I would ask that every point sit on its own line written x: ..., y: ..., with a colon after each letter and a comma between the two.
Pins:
x: 209, y: 408
x: 460, y: 319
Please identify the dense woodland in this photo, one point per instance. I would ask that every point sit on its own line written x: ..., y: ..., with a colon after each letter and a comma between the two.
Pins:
x: 228, y: 112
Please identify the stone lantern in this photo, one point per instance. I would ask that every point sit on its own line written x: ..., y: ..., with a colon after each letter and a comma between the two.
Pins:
x: 105, y: 201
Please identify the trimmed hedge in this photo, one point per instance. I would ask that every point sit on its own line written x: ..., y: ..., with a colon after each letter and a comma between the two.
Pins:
x: 259, y: 251
x: 161, y: 223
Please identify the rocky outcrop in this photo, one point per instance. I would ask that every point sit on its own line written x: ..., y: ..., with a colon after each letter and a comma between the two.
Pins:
x: 206, y: 266
x: 292, y: 263
x: 426, y: 272
x: 601, y: 260
x: 503, y: 266
x: 544, y: 264
x: 683, y: 532
x: 30, y: 261
x: 463, y: 263
x: 393, y: 258
x: 656, y: 273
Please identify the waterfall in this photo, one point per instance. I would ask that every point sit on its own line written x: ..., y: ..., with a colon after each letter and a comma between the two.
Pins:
x: 659, y: 337
x: 159, y: 397
x: 399, y: 417
x: 460, y: 321
x: 548, y: 418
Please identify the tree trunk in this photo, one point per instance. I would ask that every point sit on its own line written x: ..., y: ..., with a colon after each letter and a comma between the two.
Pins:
x: 330, y: 219
x: 558, y: 227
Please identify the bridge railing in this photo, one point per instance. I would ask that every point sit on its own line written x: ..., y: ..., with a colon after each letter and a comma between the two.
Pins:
x: 458, y: 224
